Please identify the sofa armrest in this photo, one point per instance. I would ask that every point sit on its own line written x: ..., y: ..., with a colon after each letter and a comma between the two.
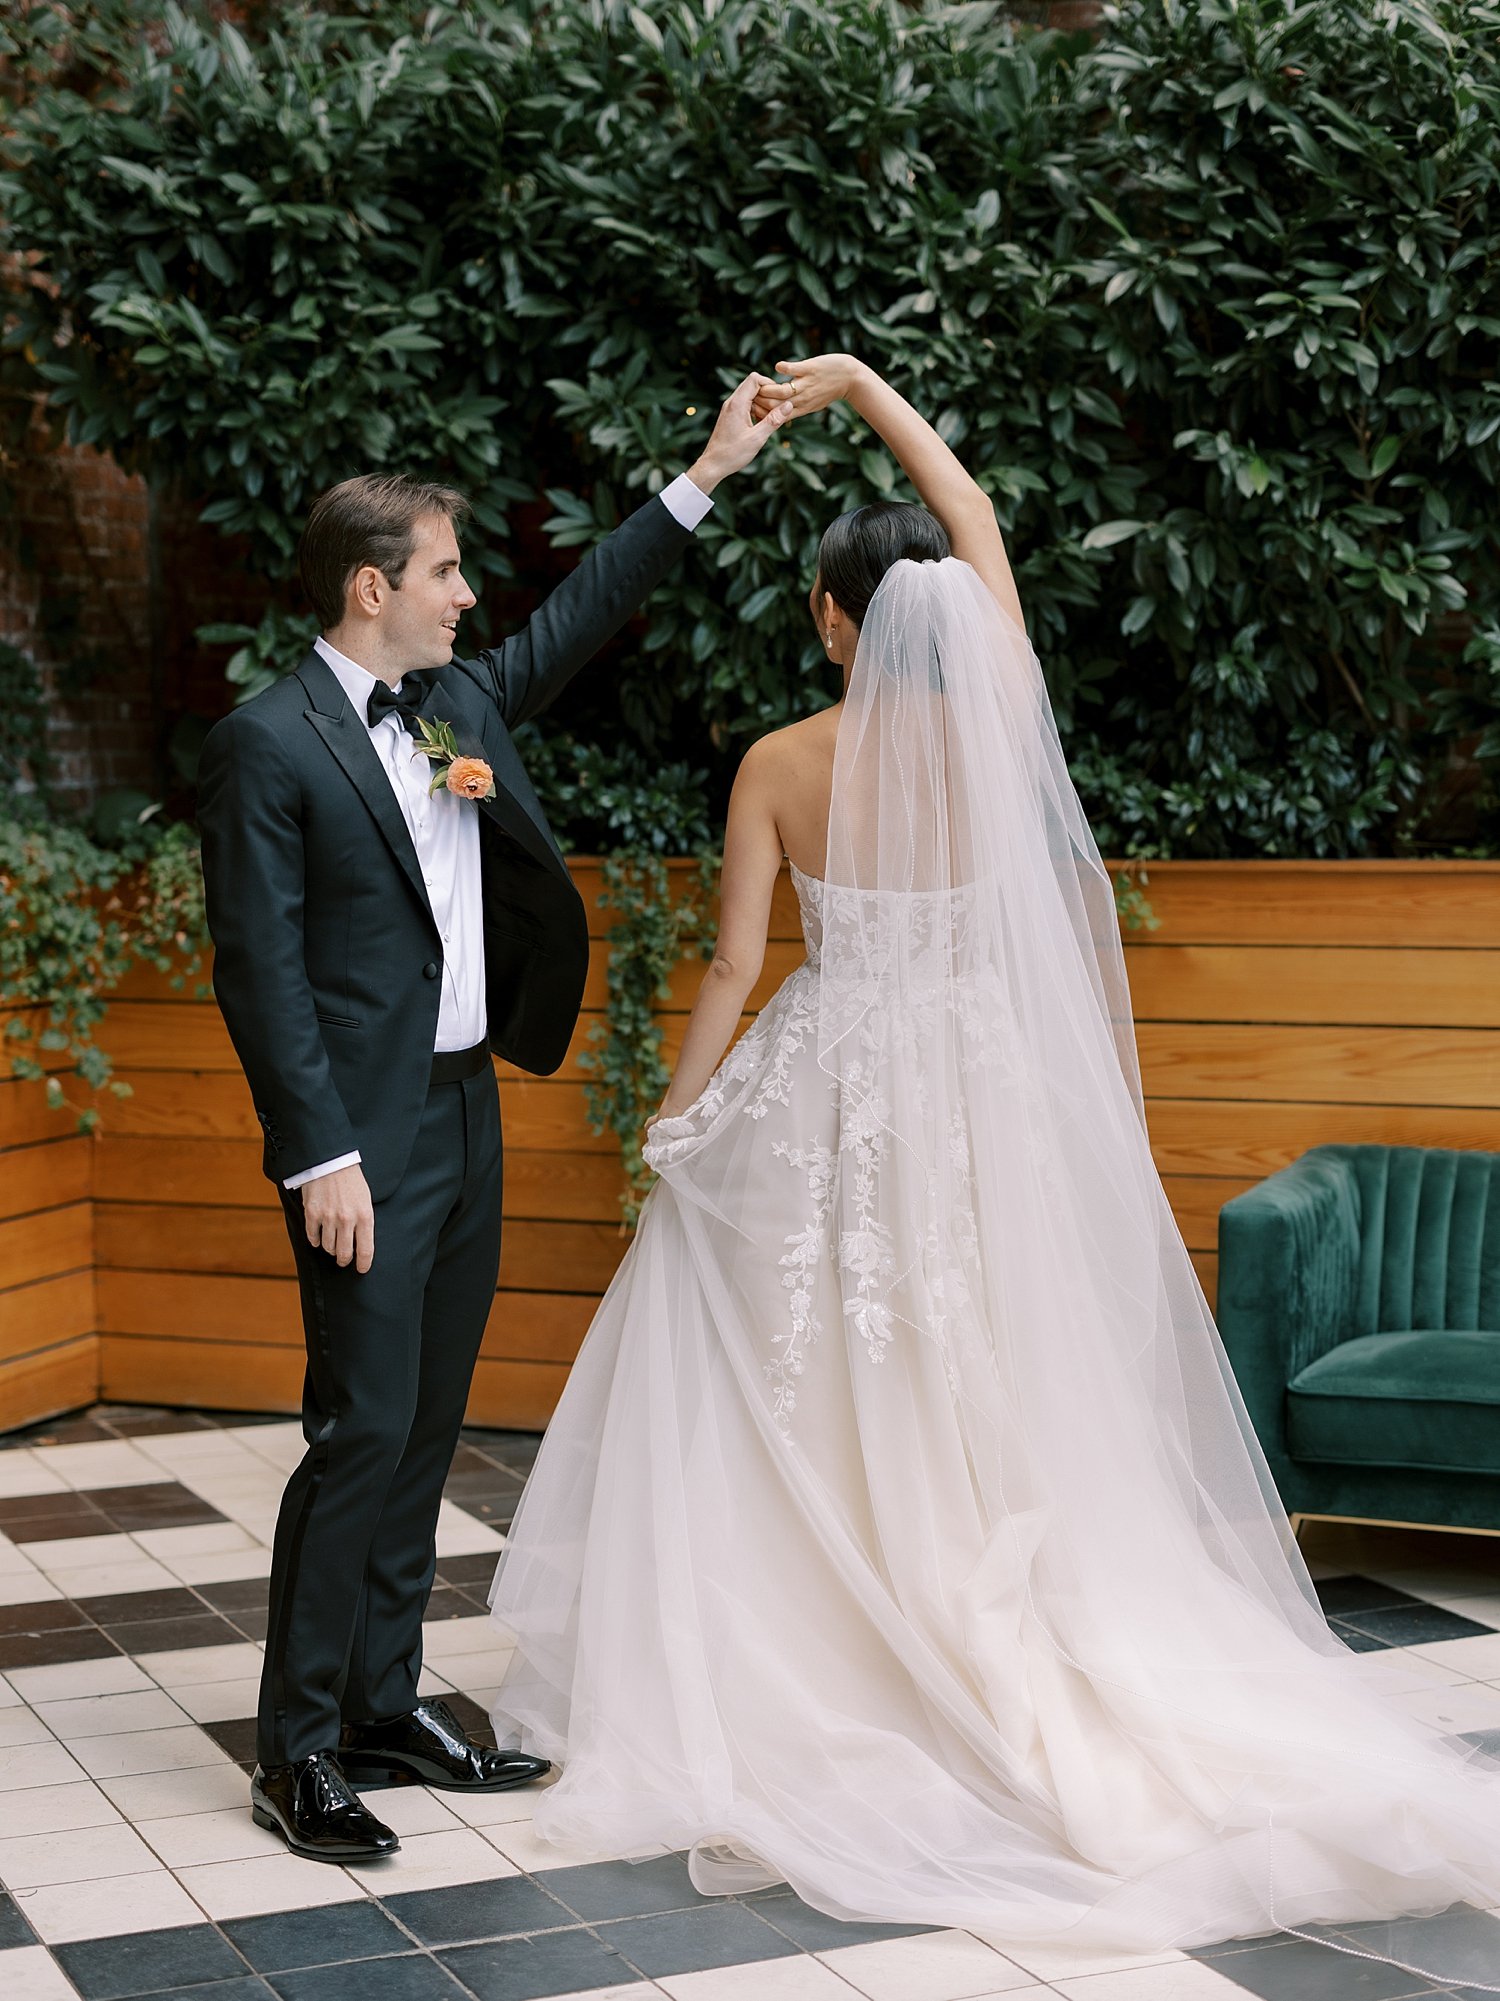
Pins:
x: 1288, y: 1264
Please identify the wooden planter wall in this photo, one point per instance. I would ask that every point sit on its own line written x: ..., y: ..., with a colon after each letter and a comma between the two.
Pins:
x: 1279, y: 1005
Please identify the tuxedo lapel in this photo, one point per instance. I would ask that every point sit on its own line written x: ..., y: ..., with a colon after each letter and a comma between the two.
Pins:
x: 451, y: 701
x: 347, y: 738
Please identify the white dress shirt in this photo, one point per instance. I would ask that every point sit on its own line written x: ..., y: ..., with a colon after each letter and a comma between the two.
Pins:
x: 445, y: 833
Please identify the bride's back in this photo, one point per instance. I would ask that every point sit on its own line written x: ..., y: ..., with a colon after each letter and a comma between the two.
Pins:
x: 800, y: 767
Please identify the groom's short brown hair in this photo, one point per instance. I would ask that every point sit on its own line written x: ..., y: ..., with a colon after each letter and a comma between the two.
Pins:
x: 372, y: 519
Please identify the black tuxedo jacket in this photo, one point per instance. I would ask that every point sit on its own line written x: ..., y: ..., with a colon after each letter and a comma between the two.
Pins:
x: 327, y: 960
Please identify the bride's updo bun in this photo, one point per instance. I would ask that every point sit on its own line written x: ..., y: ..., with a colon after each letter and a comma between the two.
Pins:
x: 859, y: 547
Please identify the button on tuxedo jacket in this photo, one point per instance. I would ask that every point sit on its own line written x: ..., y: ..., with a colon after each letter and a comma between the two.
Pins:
x: 327, y: 960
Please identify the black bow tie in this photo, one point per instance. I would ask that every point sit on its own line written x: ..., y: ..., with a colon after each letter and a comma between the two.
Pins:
x: 384, y: 701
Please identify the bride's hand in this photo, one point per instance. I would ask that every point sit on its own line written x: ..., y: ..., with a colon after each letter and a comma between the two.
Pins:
x: 820, y: 380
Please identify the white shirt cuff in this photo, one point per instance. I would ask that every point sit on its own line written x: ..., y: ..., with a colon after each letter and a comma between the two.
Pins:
x: 687, y: 504
x: 326, y: 1167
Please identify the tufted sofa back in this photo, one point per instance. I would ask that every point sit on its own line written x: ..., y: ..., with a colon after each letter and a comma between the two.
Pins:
x: 1429, y: 1238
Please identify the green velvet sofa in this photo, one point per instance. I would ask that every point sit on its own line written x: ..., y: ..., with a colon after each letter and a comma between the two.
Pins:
x: 1359, y: 1301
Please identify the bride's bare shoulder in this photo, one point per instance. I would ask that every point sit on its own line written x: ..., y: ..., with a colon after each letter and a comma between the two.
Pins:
x: 795, y: 746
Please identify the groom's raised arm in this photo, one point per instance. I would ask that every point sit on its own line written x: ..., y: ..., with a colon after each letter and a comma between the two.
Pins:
x: 531, y: 668
x: 249, y: 816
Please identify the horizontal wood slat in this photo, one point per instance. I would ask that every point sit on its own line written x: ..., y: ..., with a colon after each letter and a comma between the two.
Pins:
x: 49, y: 1311
x: 55, y: 1379
x: 40, y: 1246
x: 48, y: 1176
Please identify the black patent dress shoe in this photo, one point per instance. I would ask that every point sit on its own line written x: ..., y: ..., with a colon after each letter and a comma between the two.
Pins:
x: 316, y: 1812
x: 431, y: 1747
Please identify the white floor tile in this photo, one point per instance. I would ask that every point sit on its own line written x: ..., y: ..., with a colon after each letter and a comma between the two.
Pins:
x: 937, y: 1966
x: 272, y: 1883
x: 228, y: 1835
x: 1477, y: 1656
x: 9, y: 1698
x: 185, y: 1667
x: 216, y: 1451
x: 29, y: 1765
x: 20, y: 1725
x: 495, y: 1809
x: 461, y: 1534
x: 1483, y: 1608
x: 1048, y: 1960
x: 219, y: 1701
x: 81, y: 1552
x: 801, y: 1979
x: 169, y: 1795
x: 1190, y: 1980
x: 429, y: 1682
x: 152, y: 1901
x: 477, y: 1675
x: 520, y: 1843
x: 110, y: 1674
x: 117, y: 1757
x: 100, y: 1463
x: 14, y: 1562
x: 433, y: 1861
x: 79, y: 1855
x: 1393, y: 1670
x: 222, y: 1566
x: 411, y: 1810
x: 55, y: 1809
x: 30, y: 1973
x: 102, y: 1580
x: 280, y: 1445
x: 1470, y: 1705
x: 198, y: 1539
x: 92, y: 1716
x: 21, y: 1472
x: 27, y: 1587
x: 442, y: 1639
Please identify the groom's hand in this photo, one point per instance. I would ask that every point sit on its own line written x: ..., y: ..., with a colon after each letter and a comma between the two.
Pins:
x: 739, y: 434
x: 340, y: 1217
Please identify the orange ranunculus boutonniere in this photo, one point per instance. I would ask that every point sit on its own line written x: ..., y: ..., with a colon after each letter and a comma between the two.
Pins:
x: 465, y: 777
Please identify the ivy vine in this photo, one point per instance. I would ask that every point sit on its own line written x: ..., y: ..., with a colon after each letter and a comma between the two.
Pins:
x: 75, y: 916
x: 655, y: 927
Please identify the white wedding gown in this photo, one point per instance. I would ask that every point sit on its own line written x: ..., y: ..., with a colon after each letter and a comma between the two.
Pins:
x: 900, y: 1532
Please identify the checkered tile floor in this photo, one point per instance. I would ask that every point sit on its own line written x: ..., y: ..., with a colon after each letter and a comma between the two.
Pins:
x: 133, y: 1558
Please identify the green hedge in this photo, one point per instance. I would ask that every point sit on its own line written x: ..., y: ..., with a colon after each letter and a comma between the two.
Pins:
x: 1209, y: 301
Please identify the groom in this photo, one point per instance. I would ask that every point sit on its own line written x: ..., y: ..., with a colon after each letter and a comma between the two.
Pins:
x: 388, y: 906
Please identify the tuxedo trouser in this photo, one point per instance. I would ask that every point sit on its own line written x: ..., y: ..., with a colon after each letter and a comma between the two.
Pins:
x: 390, y: 1356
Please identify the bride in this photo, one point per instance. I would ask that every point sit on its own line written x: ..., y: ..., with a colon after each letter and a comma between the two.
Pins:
x: 901, y: 1533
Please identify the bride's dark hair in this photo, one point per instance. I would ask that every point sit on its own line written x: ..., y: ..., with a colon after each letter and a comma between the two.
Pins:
x: 858, y: 549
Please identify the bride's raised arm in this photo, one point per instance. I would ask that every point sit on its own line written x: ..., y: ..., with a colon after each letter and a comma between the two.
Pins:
x: 945, y: 488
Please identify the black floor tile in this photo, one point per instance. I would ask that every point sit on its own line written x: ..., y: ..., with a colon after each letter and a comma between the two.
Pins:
x: 1352, y: 1637
x: 815, y: 1931
x: 249, y: 1987
x: 60, y: 1431
x: 48, y: 1615
x: 688, y: 1941
x: 238, y: 1594
x: 1410, y: 1626
x: 520, y: 1969
x: 155, y: 1636
x: 128, y: 1423
x: 174, y: 1602
x: 163, y: 1504
x: 598, y: 1890
x: 1340, y: 1597
x: 1300, y: 1970
x: 473, y: 1716
x: 414, y: 1977
x: 282, y: 1940
x: 467, y: 1570
x: 14, y: 1930
x: 448, y: 1602
x: 236, y: 1736
x: 106, y: 1969
x: 469, y: 1911
x: 496, y: 1511
x: 74, y: 1643
x: 51, y: 1517
x: 249, y: 1625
